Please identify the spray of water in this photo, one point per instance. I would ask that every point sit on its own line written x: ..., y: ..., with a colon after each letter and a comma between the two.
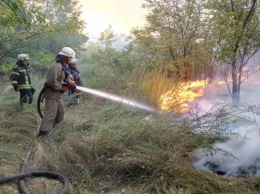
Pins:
x: 118, y: 99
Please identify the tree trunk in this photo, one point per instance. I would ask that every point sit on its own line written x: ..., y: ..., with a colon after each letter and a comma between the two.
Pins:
x: 235, y: 90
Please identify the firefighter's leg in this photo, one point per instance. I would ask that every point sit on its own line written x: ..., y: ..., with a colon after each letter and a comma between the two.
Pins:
x: 23, y: 96
x: 30, y: 95
x: 51, y: 107
x: 60, y: 113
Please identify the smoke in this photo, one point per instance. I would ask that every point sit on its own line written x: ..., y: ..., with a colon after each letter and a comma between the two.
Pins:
x: 218, y: 93
x: 238, y: 155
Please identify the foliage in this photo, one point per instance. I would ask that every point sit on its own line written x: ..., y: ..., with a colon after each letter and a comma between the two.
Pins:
x: 46, y: 27
x: 175, y: 37
x: 15, y: 11
x: 237, y: 39
x: 103, y: 146
x: 107, y: 37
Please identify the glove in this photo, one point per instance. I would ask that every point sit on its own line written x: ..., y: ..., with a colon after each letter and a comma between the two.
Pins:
x: 71, y: 84
x: 64, y: 89
x: 64, y: 86
x: 16, y: 88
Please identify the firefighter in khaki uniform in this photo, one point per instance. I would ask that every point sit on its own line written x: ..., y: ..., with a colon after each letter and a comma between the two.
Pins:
x: 57, y: 82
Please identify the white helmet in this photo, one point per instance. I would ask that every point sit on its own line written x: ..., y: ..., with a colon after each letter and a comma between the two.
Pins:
x: 23, y: 57
x: 74, y: 61
x: 67, y: 51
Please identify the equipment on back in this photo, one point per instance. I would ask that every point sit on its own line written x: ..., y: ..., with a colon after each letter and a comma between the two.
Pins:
x: 23, y: 57
x: 67, y: 51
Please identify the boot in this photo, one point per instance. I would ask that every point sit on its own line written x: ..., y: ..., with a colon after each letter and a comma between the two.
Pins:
x: 42, y: 133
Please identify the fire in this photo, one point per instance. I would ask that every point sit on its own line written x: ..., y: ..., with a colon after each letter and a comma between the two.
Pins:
x: 182, y: 96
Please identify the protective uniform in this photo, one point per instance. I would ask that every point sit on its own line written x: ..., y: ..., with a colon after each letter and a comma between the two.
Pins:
x: 21, y: 81
x: 54, y: 106
x: 75, y: 74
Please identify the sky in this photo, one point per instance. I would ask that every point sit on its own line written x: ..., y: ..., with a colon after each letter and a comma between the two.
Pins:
x: 121, y: 14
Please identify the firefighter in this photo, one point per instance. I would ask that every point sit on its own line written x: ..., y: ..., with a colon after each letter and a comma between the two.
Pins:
x: 56, y: 83
x: 74, y: 72
x: 20, y: 79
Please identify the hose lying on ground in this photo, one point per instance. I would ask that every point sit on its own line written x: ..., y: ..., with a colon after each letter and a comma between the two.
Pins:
x: 22, y: 175
x: 48, y: 174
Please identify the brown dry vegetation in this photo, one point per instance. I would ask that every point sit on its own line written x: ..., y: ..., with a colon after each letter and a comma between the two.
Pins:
x: 103, y: 147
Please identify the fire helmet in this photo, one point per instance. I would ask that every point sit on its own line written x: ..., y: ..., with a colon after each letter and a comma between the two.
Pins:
x: 67, y: 51
x: 23, y: 57
x: 73, y: 61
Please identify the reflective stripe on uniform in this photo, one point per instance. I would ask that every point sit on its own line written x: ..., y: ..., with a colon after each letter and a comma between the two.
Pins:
x: 14, y: 82
x: 24, y: 86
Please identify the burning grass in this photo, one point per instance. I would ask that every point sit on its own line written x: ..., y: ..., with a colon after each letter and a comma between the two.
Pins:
x: 170, y: 94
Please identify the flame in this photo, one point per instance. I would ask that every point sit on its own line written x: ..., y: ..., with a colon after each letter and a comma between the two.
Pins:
x: 186, y: 93
x: 180, y: 97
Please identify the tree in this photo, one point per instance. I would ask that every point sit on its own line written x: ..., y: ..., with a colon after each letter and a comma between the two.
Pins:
x: 15, y: 14
x: 237, y: 27
x: 107, y: 38
x: 176, y: 37
x: 15, y: 11
x: 39, y: 27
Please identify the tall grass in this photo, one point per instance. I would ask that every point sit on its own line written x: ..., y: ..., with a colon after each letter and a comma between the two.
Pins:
x: 112, y: 149
x: 152, y: 84
x: 103, y: 147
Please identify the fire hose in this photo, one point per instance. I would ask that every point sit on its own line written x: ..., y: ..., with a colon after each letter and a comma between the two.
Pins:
x: 24, y: 174
x: 110, y: 97
x: 54, y: 175
x: 40, y: 100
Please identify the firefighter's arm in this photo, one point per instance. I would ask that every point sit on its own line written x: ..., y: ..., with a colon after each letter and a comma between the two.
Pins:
x: 52, y: 79
x: 71, y: 83
x: 64, y: 87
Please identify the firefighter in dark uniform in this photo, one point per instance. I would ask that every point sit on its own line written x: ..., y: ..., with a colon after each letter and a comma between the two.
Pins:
x: 21, y: 80
x: 74, y: 72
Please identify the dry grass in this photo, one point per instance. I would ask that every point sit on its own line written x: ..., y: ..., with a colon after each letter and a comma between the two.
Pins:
x: 153, y: 84
x: 120, y: 148
x: 104, y: 148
